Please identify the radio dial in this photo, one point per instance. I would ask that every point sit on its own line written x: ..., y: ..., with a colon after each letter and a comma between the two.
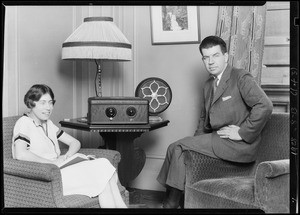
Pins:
x: 111, y: 112
x: 131, y: 111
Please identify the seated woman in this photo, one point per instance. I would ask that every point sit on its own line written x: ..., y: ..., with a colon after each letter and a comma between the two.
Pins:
x: 35, y: 138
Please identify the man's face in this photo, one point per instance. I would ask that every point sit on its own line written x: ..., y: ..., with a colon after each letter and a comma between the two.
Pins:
x: 214, y: 60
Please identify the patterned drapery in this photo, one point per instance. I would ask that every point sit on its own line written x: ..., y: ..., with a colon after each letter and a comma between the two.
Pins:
x: 243, y: 30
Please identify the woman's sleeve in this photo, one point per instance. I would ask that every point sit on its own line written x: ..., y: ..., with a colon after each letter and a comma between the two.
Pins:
x: 56, y: 129
x: 21, y: 132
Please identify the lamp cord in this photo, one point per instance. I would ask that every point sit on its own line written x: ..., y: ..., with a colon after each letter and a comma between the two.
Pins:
x: 98, y: 87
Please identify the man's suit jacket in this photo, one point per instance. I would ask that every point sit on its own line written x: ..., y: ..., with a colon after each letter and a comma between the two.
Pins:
x: 239, y: 101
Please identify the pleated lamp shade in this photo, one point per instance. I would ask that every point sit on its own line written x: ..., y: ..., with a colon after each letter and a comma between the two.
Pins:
x: 97, y: 38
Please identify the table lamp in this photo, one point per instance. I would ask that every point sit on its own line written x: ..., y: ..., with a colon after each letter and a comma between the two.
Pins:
x: 98, y: 39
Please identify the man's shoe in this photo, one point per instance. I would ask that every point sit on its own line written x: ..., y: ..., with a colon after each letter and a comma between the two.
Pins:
x: 173, y: 198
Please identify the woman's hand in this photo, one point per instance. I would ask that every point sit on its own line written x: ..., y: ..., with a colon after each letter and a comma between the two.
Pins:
x: 74, y: 144
x: 59, y: 160
x: 66, y: 156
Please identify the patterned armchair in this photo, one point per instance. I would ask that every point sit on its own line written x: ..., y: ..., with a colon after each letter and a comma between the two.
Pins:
x: 262, y: 185
x: 31, y: 184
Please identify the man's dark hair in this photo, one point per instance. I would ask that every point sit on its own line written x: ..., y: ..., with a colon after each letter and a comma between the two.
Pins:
x: 211, y: 41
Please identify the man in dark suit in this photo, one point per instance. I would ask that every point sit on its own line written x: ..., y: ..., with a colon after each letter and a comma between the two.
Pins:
x: 232, y: 116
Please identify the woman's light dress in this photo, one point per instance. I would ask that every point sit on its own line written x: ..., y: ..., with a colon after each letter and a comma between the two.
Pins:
x: 86, y: 178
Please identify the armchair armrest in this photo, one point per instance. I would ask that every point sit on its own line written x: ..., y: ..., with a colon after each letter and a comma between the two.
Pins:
x: 272, y: 182
x: 271, y: 169
x: 49, y: 172
x: 31, y: 170
x: 113, y: 156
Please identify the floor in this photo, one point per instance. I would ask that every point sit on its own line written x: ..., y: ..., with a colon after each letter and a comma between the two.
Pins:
x: 153, y: 199
x: 145, y: 198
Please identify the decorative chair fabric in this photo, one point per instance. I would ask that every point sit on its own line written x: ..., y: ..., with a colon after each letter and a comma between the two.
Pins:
x: 32, y: 184
x: 243, y: 30
x: 263, y: 184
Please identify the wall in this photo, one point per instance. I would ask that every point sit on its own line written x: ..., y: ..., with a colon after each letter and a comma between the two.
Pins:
x: 34, y: 35
x: 181, y: 67
x: 32, y: 54
x: 276, y: 70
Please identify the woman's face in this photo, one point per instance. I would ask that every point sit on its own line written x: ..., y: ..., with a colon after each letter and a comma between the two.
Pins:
x: 43, y: 108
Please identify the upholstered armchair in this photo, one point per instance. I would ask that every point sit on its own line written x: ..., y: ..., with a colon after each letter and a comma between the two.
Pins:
x: 31, y: 184
x: 262, y: 185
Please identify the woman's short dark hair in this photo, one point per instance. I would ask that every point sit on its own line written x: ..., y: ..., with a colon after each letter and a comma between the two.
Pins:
x: 35, y: 93
x: 211, y: 41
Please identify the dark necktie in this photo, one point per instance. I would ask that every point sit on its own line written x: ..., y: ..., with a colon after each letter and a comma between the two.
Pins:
x: 214, y: 88
x: 215, y: 85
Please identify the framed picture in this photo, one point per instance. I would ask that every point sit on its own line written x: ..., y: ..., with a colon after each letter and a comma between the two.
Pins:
x: 174, y: 24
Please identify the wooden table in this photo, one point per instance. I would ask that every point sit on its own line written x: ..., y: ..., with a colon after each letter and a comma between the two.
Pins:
x: 121, y: 138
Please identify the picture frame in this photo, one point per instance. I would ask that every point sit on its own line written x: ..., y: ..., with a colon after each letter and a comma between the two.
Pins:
x: 174, y: 24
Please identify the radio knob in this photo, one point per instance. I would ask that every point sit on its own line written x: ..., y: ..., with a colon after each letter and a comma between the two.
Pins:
x: 131, y: 111
x: 111, y: 112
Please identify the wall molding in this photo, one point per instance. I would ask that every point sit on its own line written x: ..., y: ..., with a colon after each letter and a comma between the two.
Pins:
x: 155, y: 156
x: 279, y: 95
x: 18, y: 71
x: 135, y: 59
x: 11, y: 65
x: 74, y: 73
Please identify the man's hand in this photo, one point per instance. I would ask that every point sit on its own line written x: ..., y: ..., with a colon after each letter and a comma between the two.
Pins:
x: 230, y: 131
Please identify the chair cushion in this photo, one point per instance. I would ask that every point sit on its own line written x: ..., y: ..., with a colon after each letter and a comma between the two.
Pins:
x: 82, y: 201
x: 235, y: 192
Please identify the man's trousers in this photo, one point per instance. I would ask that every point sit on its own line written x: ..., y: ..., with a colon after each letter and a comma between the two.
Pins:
x: 172, y: 172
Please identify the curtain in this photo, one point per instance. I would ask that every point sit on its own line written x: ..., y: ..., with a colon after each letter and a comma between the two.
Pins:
x: 243, y: 30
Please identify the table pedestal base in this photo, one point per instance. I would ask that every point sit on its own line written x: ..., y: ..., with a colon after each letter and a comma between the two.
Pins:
x: 120, y: 138
x: 133, y: 158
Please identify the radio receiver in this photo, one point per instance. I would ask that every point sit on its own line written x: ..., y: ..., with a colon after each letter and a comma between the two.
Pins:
x: 117, y: 110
